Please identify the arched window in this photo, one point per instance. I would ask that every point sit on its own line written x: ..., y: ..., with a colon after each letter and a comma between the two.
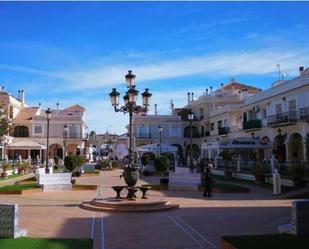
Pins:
x: 21, y: 131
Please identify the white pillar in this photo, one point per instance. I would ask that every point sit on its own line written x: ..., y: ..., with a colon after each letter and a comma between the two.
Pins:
x: 305, y: 152
x: 276, y: 183
x: 238, y: 163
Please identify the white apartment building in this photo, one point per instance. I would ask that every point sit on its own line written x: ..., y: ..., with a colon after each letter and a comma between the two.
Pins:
x: 29, y: 130
x: 277, y: 117
x: 238, y: 116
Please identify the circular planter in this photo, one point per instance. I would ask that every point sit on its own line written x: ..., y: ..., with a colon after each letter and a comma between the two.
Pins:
x: 164, y: 180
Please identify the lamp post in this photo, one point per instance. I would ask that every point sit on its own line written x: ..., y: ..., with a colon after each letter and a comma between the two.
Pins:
x: 65, y: 136
x: 160, y: 129
x: 130, y: 172
x: 190, y: 118
x: 48, y: 116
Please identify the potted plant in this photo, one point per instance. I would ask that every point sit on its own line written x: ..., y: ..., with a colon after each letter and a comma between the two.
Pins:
x: 74, y: 163
x: 5, y: 167
x: 161, y: 165
x: 297, y: 171
x: 25, y: 166
x: 259, y: 172
x: 227, y: 157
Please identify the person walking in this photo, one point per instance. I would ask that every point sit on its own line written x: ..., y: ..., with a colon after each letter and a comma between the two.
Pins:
x: 208, y: 182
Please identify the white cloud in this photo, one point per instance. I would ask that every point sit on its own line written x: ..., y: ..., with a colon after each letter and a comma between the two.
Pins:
x: 223, y: 65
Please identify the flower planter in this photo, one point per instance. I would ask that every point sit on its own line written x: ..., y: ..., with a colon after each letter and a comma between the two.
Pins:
x: 3, y: 174
x: 130, y: 176
x: 20, y: 170
x: 260, y: 178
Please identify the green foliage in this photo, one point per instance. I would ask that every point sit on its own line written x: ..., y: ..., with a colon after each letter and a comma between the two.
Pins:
x: 258, y: 170
x: 5, y: 122
x: 161, y: 164
x: 226, y: 155
x: 73, y: 162
x: 25, y: 165
x: 6, y: 166
x: 297, y: 171
x: 145, y: 160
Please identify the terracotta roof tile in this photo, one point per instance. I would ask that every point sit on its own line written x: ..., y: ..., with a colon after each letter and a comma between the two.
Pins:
x: 26, y: 113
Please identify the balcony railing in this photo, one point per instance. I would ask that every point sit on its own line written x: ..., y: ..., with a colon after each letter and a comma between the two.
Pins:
x: 143, y: 136
x: 282, y: 118
x: 304, y: 114
x: 251, y: 124
x: 223, y: 130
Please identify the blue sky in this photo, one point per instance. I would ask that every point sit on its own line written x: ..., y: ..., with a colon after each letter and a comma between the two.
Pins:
x: 75, y: 53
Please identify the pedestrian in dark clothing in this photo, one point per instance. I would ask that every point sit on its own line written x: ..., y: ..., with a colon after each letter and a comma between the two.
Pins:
x: 208, y: 182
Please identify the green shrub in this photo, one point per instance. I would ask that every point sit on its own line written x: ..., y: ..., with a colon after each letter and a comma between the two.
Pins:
x: 73, y: 162
x: 6, y: 166
x: 258, y: 170
x: 297, y: 171
x: 161, y: 164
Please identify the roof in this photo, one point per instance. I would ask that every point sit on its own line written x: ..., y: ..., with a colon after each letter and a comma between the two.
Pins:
x: 26, y: 113
x: 240, y: 86
x: 74, y: 108
x: 26, y: 144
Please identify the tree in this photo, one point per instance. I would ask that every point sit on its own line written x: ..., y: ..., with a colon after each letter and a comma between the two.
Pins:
x: 161, y: 164
x: 5, y: 122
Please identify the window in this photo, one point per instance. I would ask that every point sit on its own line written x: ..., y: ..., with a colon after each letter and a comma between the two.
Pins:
x: 264, y: 113
x: 292, y: 105
x: 278, y: 108
x: 212, y: 126
x: 219, y: 123
x: 21, y: 131
x: 38, y: 129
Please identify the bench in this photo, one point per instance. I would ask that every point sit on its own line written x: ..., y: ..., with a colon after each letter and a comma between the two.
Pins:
x: 300, y: 219
x: 9, y: 222
x: 131, y: 191
x: 56, y: 181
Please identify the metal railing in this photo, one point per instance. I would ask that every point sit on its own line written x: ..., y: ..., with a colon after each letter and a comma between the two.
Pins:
x: 282, y: 118
x: 251, y: 124
x: 304, y: 114
x: 142, y: 136
x: 223, y: 130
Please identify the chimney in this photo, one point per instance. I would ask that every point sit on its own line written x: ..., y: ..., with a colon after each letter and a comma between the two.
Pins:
x: 156, y: 109
x: 301, y: 70
x: 18, y: 95
x: 57, y: 104
x: 244, y: 93
x: 188, y: 97
x: 192, y: 96
x: 22, y: 96
x: 172, y: 107
x: 211, y: 90
x: 40, y: 105
x: 2, y: 89
x: 206, y: 91
x: 222, y: 84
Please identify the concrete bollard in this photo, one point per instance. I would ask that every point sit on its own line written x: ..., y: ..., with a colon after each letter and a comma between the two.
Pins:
x: 276, y: 183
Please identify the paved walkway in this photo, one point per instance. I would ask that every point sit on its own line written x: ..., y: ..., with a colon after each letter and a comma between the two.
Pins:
x: 199, y: 223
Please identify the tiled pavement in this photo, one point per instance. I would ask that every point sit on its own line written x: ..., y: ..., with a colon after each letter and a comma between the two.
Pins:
x: 199, y: 223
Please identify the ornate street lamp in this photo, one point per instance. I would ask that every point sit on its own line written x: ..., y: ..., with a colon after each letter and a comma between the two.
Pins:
x: 48, y: 117
x: 65, y: 136
x: 130, y: 172
x: 160, y: 129
x: 190, y: 118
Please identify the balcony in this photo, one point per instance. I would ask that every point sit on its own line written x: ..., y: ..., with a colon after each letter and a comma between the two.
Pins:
x: 143, y: 136
x: 223, y: 130
x: 252, y: 124
x: 282, y: 118
x: 304, y: 114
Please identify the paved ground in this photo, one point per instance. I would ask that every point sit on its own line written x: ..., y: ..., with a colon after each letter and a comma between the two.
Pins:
x: 199, y: 223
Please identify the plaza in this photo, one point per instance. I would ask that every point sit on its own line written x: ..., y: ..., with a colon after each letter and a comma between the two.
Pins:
x: 198, y: 223
x: 154, y: 125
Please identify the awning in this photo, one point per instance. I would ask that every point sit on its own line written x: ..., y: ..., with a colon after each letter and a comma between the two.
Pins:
x: 156, y: 147
x: 26, y: 145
